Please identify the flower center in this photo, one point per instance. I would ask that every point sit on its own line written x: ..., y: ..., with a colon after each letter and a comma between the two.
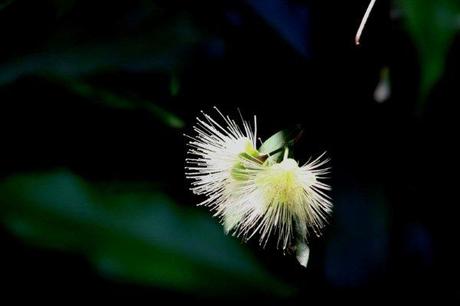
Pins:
x: 280, y: 183
x: 244, y: 149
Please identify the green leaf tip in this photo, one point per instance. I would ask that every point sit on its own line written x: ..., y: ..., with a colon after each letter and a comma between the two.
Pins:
x: 433, y: 26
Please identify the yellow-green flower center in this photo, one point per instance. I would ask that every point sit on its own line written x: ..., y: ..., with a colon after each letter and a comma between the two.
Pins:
x: 246, y: 151
x: 281, y: 182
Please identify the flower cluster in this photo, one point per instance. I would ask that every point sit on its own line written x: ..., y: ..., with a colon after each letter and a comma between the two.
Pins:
x: 255, y: 193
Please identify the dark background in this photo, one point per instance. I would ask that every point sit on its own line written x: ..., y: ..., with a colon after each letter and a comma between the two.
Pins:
x: 102, y: 92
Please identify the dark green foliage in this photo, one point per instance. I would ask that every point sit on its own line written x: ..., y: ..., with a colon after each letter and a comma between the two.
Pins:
x: 134, y: 233
x: 432, y: 25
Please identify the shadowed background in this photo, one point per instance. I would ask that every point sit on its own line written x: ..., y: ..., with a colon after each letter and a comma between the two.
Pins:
x: 95, y: 98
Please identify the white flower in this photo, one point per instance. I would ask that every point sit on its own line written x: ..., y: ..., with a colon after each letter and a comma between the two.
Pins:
x: 215, y: 151
x: 283, y: 199
x: 251, y: 193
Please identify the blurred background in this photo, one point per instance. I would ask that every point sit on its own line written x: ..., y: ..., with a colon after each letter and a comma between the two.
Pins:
x: 95, y: 98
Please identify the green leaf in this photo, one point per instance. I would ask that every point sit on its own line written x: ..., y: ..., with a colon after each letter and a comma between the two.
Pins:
x: 274, y: 144
x: 131, y: 233
x: 160, y: 50
x: 69, y: 55
x: 432, y: 25
x: 5, y: 3
x: 106, y: 97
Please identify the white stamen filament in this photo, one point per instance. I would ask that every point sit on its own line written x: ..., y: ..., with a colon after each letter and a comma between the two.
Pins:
x: 364, y: 21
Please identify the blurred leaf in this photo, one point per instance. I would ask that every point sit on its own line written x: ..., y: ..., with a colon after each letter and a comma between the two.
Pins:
x: 68, y: 56
x: 116, y: 101
x: 433, y: 25
x: 5, y: 3
x: 133, y: 234
x: 161, y: 50
x: 278, y: 141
